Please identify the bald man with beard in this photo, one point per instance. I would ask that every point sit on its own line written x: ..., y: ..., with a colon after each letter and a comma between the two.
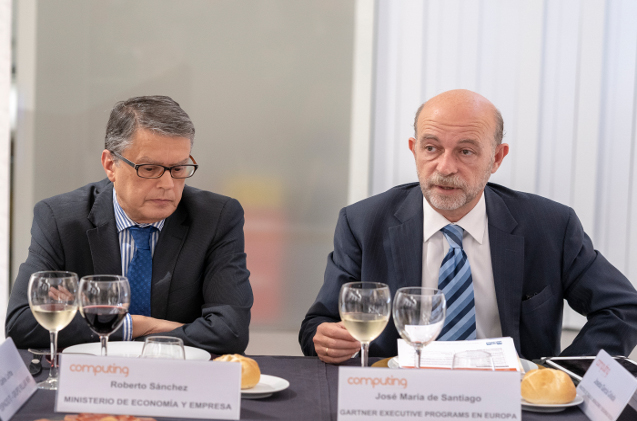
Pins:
x: 526, y: 254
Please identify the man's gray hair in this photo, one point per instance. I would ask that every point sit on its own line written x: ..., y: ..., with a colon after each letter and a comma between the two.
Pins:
x: 499, y: 127
x: 157, y: 113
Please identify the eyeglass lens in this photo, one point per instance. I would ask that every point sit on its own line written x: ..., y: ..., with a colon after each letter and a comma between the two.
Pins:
x: 156, y: 171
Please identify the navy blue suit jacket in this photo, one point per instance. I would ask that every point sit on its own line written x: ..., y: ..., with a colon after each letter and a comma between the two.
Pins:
x: 539, y: 253
x: 199, y: 266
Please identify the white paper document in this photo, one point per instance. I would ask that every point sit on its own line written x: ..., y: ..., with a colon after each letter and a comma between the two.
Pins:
x: 439, y: 354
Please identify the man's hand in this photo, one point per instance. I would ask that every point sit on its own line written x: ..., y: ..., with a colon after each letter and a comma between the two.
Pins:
x: 334, y: 344
x: 60, y: 294
x: 143, y: 325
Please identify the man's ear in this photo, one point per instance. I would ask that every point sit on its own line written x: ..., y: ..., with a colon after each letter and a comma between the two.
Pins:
x: 108, y: 164
x: 412, y: 145
x: 501, y: 151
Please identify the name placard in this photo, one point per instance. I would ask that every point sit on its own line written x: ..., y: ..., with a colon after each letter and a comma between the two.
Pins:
x: 16, y: 383
x: 152, y: 387
x: 606, y: 388
x: 381, y: 394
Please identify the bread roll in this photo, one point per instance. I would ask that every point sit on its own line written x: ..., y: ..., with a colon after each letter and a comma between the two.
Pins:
x: 250, y: 373
x: 547, y: 386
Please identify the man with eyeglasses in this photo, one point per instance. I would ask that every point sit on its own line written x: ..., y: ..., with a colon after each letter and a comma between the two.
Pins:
x: 181, y: 248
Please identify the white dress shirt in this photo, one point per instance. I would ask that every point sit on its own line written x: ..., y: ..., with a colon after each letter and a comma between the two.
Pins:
x: 475, y: 242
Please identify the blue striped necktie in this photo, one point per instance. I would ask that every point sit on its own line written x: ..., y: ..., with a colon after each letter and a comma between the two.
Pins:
x: 140, y: 271
x: 454, y: 280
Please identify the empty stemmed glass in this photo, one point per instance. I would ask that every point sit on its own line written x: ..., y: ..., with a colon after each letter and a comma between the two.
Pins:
x: 53, y: 301
x: 163, y: 347
x: 364, y: 308
x: 419, y: 315
x: 104, y: 302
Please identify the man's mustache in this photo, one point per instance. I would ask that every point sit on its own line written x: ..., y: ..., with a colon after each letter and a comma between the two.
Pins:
x: 453, y: 181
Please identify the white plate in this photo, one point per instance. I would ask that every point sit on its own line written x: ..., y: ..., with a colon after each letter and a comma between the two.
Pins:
x: 526, y: 364
x: 266, y: 387
x: 131, y: 349
x: 533, y: 407
x: 393, y: 363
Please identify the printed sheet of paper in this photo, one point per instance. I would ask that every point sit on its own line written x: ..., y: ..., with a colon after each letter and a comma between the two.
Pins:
x: 439, y: 354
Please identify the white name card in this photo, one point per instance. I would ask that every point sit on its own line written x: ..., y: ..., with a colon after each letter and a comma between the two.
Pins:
x: 16, y: 383
x: 152, y: 387
x: 381, y: 394
x: 606, y: 388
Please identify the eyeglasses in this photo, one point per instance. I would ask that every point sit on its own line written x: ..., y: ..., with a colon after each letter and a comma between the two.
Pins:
x: 156, y: 171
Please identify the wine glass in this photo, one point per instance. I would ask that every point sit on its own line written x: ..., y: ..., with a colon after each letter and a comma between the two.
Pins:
x: 364, y: 308
x: 419, y: 314
x: 53, y: 301
x: 472, y: 360
x: 104, y: 302
x: 163, y: 347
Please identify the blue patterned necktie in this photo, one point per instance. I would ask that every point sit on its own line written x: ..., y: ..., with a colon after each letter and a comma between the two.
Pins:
x: 140, y: 271
x: 455, y: 282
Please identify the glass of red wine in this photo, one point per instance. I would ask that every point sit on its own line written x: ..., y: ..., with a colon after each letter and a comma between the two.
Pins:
x: 104, y: 302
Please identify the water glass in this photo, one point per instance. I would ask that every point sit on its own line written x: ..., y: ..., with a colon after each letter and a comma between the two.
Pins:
x: 419, y: 314
x: 167, y: 347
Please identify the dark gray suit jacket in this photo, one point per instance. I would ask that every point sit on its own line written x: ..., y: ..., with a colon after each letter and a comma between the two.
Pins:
x: 539, y: 253
x: 199, y: 266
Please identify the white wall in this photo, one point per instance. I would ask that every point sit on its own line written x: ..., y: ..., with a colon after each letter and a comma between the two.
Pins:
x: 563, y: 75
x: 5, y: 150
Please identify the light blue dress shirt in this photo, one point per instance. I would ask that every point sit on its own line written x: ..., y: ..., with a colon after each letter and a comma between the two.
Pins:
x: 127, y: 249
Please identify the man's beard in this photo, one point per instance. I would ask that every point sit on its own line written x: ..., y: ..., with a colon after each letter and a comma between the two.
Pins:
x: 464, y: 194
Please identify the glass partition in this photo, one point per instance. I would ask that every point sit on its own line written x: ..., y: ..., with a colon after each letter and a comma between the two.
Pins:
x: 266, y: 83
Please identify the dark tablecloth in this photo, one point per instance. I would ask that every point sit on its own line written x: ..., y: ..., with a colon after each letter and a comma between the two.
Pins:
x: 312, y: 395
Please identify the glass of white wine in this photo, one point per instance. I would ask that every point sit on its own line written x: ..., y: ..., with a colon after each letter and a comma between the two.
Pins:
x: 53, y: 301
x: 419, y: 314
x: 364, y: 308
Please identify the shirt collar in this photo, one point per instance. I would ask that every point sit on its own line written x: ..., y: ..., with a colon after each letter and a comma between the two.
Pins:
x: 474, y: 222
x: 123, y: 221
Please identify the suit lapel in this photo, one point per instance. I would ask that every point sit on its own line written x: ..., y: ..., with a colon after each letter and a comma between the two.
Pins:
x: 507, y: 259
x: 169, y: 244
x: 406, y: 240
x: 102, y: 239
